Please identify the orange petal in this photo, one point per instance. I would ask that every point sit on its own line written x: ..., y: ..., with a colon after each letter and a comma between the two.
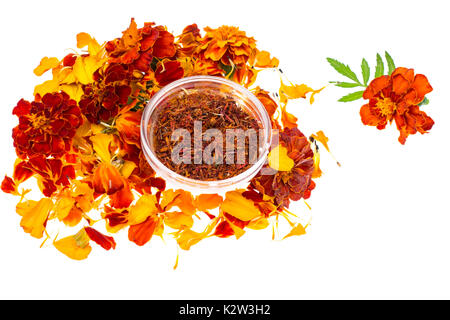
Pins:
x: 205, y: 202
x: 107, y: 179
x: 142, y: 233
x: 375, y: 86
x: 368, y: 118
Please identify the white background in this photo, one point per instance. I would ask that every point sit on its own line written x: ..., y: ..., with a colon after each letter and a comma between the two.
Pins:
x: 381, y: 222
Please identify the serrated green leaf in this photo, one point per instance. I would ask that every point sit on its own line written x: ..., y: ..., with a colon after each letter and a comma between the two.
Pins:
x: 365, y: 71
x: 343, y: 69
x: 424, y: 102
x: 346, y: 84
x: 352, y: 96
x: 379, y: 70
x: 390, y: 62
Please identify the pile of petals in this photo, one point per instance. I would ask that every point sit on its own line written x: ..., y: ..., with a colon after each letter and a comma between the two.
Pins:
x: 79, y: 138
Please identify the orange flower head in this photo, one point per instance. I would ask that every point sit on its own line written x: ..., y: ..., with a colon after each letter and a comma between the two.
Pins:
x: 228, y: 45
x: 46, y: 126
x: 397, y: 98
x: 295, y: 183
x: 138, y: 47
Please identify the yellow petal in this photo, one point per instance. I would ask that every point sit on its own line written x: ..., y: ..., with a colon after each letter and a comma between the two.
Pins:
x: 127, y: 168
x: 101, y: 143
x: 35, y: 217
x: 84, y: 68
x: 45, y: 65
x: 75, y: 247
x: 239, y: 207
x: 63, y: 207
x: 75, y: 91
x: 298, y: 230
x: 83, y: 39
x: 279, y: 159
x: 178, y: 220
x: 258, y: 224
x: 144, y: 207
x: 46, y: 87
x: 263, y: 60
x: 187, y: 238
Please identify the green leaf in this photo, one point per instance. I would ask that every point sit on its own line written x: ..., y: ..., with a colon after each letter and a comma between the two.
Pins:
x: 424, y: 102
x: 346, y: 84
x: 379, y: 70
x: 352, y: 96
x: 365, y: 71
x: 390, y: 62
x: 343, y: 69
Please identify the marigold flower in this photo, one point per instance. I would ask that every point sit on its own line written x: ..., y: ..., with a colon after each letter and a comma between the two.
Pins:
x: 228, y: 45
x: 103, y: 99
x: 46, y: 127
x: 137, y: 47
x: 295, y: 183
x: 397, y: 98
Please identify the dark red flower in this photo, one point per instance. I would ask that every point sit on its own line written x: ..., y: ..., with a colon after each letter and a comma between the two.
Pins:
x: 46, y: 127
x: 103, y: 99
x: 296, y: 183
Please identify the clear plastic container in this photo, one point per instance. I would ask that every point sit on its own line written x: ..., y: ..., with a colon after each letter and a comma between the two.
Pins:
x: 243, y: 97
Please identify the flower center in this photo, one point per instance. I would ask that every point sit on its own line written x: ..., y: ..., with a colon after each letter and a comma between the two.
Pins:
x: 39, y: 122
x: 386, y: 107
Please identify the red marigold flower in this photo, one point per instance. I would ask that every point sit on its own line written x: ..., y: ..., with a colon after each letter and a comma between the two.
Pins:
x: 103, y: 99
x: 397, y: 98
x: 296, y: 183
x: 46, y: 127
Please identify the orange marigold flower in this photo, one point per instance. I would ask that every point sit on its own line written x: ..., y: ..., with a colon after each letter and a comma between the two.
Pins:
x: 189, y: 39
x: 138, y: 47
x: 228, y: 45
x: 397, y: 98
x: 295, y: 183
x: 103, y: 99
x: 46, y: 127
